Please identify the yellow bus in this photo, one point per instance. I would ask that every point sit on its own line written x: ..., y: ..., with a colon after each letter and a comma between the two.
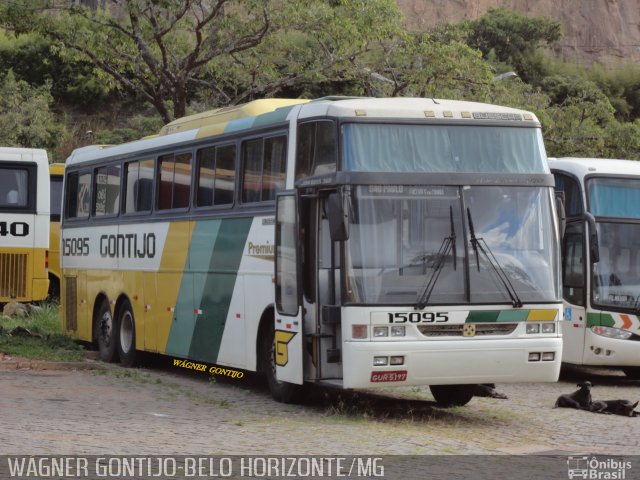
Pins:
x: 56, y: 176
x: 24, y: 224
x: 353, y: 243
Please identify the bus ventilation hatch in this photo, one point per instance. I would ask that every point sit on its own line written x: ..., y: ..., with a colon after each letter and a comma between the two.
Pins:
x: 13, y: 275
x: 71, y: 305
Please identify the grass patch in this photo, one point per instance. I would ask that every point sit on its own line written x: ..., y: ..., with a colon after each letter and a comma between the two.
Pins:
x: 46, y: 342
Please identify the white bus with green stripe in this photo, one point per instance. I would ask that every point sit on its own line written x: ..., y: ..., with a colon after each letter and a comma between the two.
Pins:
x: 345, y: 242
x: 601, y: 262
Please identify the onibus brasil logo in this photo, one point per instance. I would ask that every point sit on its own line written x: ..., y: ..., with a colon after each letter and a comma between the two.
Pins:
x: 597, y: 468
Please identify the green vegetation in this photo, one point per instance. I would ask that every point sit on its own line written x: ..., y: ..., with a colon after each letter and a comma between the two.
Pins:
x: 77, y: 75
x: 38, y: 336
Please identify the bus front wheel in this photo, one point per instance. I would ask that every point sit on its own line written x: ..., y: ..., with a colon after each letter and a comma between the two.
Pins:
x: 105, y: 333
x: 126, y: 335
x: 452, y: 395
x: 283, y: 392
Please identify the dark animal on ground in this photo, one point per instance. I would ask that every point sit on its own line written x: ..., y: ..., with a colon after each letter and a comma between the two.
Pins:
x: 615, y: 407
x: 488, y: 390
x: 580, y: 399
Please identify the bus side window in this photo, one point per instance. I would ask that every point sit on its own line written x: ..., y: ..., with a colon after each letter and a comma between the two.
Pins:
x: 107, y: 191
x: 316, y: 149
x: 264, y: 163
x: 216, y: 170
x: 138, y: 190
x: 572, y: 196
x: 174, y: 185
x: 275, y: 164
x: 78, y: 195
x: 573, y: 268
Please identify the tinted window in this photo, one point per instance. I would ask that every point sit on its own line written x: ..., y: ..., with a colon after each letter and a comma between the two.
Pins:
x: 56, y: 196
x: 139, y: 186
x: 14, y: 187
x: 572, y: 196
x: 216, y: 176
x: 175, y: 181
x: 264, y: 168
x: 107, y: 191
x: 316, y: 150
x: 78, y: 195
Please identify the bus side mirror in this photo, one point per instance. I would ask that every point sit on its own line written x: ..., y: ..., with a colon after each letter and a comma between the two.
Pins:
x: 594, y: 250
x: 338, y: 222
x: 562, y: 214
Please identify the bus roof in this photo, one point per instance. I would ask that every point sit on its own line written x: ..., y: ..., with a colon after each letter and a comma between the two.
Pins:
x: 272, y: 111
x: 581, y: 167
x: 15, y: 154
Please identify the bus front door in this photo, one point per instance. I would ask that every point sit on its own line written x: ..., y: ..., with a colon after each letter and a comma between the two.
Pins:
x: 288, y: 331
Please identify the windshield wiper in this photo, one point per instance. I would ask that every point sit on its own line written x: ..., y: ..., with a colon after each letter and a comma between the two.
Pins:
x: 481, y: 245
x: 448, y: 245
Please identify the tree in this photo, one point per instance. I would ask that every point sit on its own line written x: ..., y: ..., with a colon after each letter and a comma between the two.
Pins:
x: 512, y: 38
x: 25, y: 117
x: 166, y: 50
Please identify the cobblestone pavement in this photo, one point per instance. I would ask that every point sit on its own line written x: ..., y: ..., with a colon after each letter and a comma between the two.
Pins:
x: 156, y: 411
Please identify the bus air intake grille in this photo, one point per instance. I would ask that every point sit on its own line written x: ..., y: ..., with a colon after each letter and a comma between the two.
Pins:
x: 481, y: 329
x: 13, y: 275
x: 71, y: 304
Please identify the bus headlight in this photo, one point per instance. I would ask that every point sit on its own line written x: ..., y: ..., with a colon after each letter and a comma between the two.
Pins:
x: 611, y: 332
x: 398, y: 331
x: 533, y: 328
x: 380, y: 332
x: 380, y: 361
x: 548, y: 327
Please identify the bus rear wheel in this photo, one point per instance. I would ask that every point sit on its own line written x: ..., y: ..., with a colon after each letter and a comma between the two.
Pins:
x: 452, y: 395
x: 105, y: 333
x: 283, y: 392
x: 126, y: 335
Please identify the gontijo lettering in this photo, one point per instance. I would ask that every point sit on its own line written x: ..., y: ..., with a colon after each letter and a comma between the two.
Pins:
x: 128, y: 245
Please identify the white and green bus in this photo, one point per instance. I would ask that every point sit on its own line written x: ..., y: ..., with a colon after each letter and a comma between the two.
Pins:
x: 351, y: 242
x: 24, y: 224
x: 601, y: 261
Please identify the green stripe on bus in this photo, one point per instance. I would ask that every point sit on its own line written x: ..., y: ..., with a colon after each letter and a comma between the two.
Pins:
x: 218, y: 288
x: 191, y: 287
x: 603, y: 319
x: 488, y: 316
x: 482, y: 316
x: 513, y: 315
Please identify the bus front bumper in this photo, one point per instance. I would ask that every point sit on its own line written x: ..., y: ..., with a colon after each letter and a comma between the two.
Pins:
x: 610, y: 352
x: 452, y: 362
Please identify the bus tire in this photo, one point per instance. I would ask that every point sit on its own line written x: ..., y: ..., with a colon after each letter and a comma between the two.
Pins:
x: 452, y: 395
x: 106, y: 333
x: 126, y: 335
x: 632, y: 372
x: 283, y: 392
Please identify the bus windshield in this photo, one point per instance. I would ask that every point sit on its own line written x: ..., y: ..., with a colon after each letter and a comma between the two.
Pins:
x: 369, y: 147
x: 402, y: 238
x: 616, y: 281
x: 614, y: 197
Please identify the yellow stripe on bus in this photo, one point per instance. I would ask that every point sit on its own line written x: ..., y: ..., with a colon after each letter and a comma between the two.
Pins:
x: 542, y: 315
x: 172, y: 265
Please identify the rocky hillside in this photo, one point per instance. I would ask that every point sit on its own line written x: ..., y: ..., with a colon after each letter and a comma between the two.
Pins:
x: 601, y: 31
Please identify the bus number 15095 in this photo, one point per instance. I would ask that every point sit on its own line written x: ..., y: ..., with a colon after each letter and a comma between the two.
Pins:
x: 418, y: 317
